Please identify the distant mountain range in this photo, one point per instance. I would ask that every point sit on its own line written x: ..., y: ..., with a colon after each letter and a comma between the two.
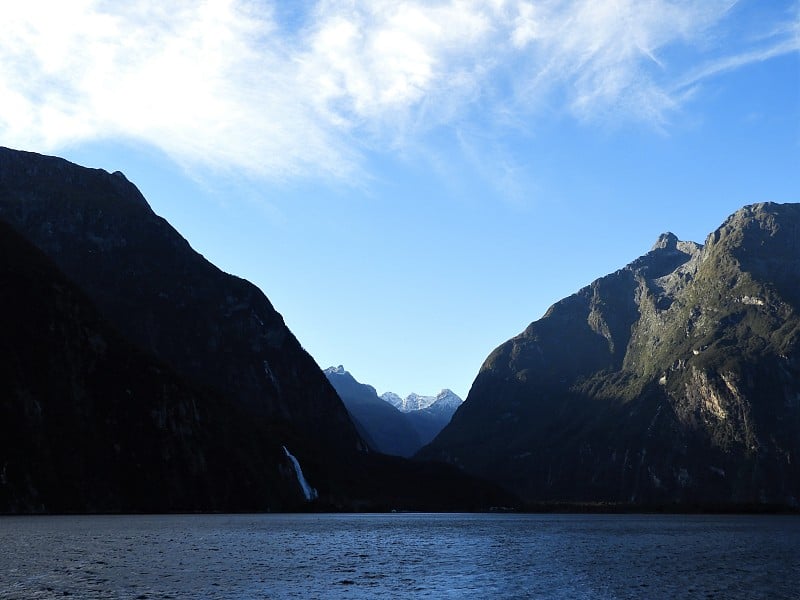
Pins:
x: 674, y: 381
x: 152, y: 381
x: 390, y: 424
x: 444, y: 400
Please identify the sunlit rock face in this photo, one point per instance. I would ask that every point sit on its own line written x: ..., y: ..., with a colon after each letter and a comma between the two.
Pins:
x: 673, y: 380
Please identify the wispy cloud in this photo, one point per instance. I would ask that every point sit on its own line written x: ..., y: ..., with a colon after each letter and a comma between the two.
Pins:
x: 235, y: 84
x: 730, y: 63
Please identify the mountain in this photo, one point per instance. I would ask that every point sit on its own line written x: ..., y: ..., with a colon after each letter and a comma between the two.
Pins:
x: 393, y: 399
x: 410, y: 402
x: 445, y: 399
x: 387, y: 429
x: 427, y: 414
x: 673, y: 381
x: 389, y: 423
x: 227, y: 412
x: 89, y: 422
x: 216, y: 329
x: 434, y: 413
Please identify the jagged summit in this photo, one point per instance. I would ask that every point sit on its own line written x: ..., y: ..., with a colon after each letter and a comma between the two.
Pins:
x: 392, y: 398
x: 666, y: 241
x: 446, y: 399
x: 414, y: 402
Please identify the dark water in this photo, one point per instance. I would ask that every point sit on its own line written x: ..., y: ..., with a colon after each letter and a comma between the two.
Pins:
x: 404, y: 555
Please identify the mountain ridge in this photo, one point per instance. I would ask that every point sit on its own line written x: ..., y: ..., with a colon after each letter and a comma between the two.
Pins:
x: 445, y: 398
x: 386, y: 428
x: 673, y: 380
x: 391, y: 425
x: 102, y: 233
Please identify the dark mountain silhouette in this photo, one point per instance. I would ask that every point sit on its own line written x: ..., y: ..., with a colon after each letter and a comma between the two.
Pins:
x: 215, y: 328
x: 673, y: 381
x: 214, y: 339
x: 88, y: 422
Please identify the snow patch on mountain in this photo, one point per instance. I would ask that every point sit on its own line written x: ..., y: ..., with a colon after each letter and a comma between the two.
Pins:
x: 392, y: 399
x: 444, y: 400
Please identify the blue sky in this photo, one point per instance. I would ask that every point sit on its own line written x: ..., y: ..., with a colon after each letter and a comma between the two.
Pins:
x: 412, y: 183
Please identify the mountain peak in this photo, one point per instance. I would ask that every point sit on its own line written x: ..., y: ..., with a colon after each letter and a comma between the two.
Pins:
x: 340, y: 370
x: 666, y: 241
x: 392, y: 399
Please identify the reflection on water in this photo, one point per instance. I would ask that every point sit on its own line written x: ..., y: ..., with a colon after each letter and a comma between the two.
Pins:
x: 402, y: 555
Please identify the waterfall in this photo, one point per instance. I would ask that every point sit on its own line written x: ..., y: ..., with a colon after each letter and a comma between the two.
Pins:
x: 309, y: 492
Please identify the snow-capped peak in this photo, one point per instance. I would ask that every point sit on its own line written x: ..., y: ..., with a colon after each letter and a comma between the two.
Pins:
x: 392, y: 399
x: 445, y: 399
x: 335, y: 370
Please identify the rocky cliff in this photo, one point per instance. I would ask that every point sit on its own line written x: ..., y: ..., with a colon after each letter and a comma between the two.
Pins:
x: 675, y: 380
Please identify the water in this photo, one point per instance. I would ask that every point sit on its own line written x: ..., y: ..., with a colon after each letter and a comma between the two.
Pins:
x: 402, y: 555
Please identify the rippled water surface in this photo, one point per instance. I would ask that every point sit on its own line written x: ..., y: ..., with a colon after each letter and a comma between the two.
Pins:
x: 400, y: 555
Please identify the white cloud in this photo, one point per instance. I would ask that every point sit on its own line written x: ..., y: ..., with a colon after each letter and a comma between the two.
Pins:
x: 210, y: 83
x: 227, y: 84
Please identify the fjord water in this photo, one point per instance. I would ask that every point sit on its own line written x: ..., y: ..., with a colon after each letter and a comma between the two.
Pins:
x: 400, y: 555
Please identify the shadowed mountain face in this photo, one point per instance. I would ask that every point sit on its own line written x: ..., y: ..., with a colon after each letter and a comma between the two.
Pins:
x: 88, y: 422
x: 152, y: 381
x: 215, y: 329
x: 673, y: 380
x: 384, y: 427
x: 391, y: 424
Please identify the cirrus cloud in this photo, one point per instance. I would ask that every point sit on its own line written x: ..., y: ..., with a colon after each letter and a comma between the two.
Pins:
x: 231, y: 84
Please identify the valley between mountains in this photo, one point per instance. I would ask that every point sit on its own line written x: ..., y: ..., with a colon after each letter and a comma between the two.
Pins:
x: 138, y: 377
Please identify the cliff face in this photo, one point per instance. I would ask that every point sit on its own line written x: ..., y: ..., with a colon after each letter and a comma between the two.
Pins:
x: 88, y: 422
x: 213, y: 328
x: 673, y: 380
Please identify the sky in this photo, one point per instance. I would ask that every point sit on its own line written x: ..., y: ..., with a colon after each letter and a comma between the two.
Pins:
x: 412, y: 183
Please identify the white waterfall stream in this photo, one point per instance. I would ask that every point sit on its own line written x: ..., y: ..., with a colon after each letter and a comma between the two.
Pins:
x: 309, y: 492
